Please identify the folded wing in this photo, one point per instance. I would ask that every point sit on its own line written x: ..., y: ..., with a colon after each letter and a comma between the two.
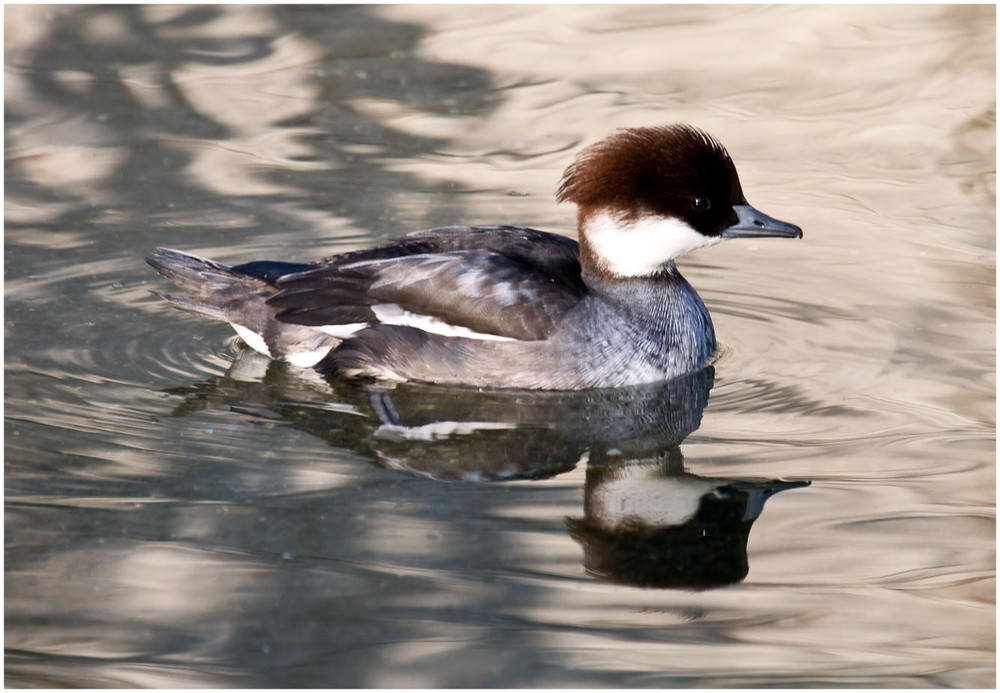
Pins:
x: 488, y: 282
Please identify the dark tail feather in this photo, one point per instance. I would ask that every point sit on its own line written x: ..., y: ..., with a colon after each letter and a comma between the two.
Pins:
x: 216, y: 291
x: 238, y: 295
x: 186, y: 304
x: 187, y: 271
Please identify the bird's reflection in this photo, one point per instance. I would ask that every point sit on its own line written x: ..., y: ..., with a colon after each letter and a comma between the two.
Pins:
x: 646, y: 520
x: 649, y: 523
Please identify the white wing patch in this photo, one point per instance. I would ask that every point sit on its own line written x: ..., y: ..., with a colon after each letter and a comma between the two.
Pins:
x: 342, y: 331
x: 308, y: 358
x: 441, y: 430
x: 252, y: 339
x: 393, y: 314
x: 304, y: 358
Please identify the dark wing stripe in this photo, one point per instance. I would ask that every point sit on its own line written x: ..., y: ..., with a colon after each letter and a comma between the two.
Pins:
x: 269, y: 271
x: 320, y: 297
x: 336, y: 278
x: 329, y: 315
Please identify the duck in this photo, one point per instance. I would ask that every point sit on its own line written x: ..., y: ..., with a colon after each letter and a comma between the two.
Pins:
x: 508, y: 307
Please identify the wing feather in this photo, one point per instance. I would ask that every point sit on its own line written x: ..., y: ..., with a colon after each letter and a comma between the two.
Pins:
x: 500, y: 281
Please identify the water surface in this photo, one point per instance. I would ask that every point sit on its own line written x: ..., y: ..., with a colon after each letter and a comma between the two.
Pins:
x: 180, y: 512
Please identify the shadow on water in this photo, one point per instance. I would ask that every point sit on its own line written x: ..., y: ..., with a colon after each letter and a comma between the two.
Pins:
x: 647, y: 521
x: 128, y: 562
x: 99, y: 69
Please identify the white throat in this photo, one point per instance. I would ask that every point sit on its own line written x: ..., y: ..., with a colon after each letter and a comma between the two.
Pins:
x: 643, y: 246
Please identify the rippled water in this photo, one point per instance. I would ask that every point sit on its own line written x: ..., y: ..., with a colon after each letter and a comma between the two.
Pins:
x: 180, y: 512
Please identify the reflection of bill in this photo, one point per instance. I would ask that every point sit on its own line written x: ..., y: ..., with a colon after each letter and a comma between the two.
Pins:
x: 648, y: 523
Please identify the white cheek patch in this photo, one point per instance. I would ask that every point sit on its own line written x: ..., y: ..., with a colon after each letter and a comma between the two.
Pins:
x: 663, y: 501
x: 641, y: 247
x: 393, y: 314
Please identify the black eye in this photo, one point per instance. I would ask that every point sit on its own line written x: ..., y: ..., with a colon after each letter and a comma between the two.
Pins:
x: 701, y: 204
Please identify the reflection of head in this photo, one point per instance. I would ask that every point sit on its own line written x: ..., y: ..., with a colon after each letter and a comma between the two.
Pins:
x: 693, y: 556
x: 656, y: 526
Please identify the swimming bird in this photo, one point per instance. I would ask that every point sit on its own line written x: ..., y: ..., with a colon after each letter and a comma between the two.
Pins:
x: 509, y: 306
